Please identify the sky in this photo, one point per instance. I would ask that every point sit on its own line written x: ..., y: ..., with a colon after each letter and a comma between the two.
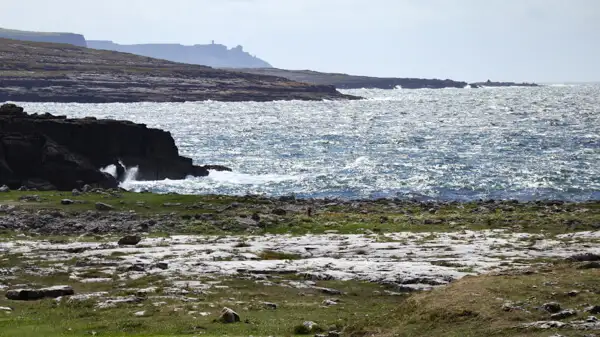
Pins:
x: 471, y: 40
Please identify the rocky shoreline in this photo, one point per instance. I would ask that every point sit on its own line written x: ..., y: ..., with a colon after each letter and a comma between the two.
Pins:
x: 50, y: 72
x: 54, y: 152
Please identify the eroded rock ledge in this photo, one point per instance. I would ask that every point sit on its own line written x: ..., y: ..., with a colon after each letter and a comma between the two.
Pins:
x: 46, y: 151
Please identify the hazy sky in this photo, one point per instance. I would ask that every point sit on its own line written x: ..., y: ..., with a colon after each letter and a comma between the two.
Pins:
x: 521, y: 40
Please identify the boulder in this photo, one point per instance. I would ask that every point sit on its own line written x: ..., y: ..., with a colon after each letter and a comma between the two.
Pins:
x: 4, y: 188
x: 563, y: 314
x: 551, y: 307
x: 228, y: 316
x: 129, y: 240
x: 100, y: 206
x: 37, y: 294
x: 67, y: 202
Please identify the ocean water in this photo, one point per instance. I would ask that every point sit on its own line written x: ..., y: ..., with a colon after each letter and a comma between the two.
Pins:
x: 449, y: 144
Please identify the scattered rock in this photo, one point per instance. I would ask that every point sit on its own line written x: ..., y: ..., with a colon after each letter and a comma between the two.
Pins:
x: 564, y: 314
x: 75, y: 193
x: 161, y: 265
x: 306, y: 328
x: 86, y: 188
x: 590, y: 265
x: 34, y: 198
x: 228, y: 316
x: 113, y: 302
x: 171, y: 204
x: 330, y: 302
x: 334, y: 334
x: 573, y: 293
x: 4, y: 188
x: 594, y: 309
x: 270, y: 305
x: 279, y: 211
x: 544, y: 325
x: 140, y: 267
x: 5, y: 309
x: 328, y: 291
x: 104, y: 207
x: 37, y: 294
x: 586, y: 257
x: 129, y: 240
x: 552, y: 307
x: 140, y: 313
x: 67, y: 202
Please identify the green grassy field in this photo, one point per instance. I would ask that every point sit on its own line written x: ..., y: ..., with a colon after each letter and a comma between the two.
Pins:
x: 472, y: 306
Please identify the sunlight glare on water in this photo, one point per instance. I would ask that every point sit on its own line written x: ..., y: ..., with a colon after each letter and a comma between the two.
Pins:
x: 450, y: 144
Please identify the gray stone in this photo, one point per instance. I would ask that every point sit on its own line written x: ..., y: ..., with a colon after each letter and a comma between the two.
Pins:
x: 129, y: 240
x: 328, y: 291
x: 113, y: 302
x: 585, y: 257
x: 4, y: 188
x: 544, y: 325
x: 279, y: 211
x: 35, y: 198
x: 270, y: 305
x: 228, y: 316
x: 161, y: 265
x: 86, y: 188
x: 75, y: 192
x: 594, y: 309
x: 171, y: 204
x: 104, y: 207
x: 37, y: 294
x: 5, y: 309
x: 552, y: 307
x: 334, y: 334
x: 67, y: 202
x: 564, y: 314
x: 330, y: 302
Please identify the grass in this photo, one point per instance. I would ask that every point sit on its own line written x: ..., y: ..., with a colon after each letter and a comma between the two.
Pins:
x: 473, y: 306
x: 214, y: 214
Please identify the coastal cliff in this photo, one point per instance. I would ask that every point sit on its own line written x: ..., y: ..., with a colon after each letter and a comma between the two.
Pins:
x: 69, y: 38
x: 212, y: 55
x: 54, y: 151
x: 47, y: 72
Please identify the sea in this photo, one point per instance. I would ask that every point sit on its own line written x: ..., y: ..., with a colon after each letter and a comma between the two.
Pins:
x: 428, y: 144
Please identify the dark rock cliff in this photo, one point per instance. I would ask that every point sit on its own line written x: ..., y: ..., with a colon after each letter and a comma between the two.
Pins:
x: 69, y: 38
x: 65, y: 153
x: 213, y: 55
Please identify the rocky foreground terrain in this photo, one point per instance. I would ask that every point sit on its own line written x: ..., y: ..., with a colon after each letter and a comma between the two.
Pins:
x: 48, y: 72
x: 54, y: 152
x: 113, y: 263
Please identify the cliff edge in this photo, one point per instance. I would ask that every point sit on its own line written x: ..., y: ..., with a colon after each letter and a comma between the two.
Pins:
x: 212, y: 55
x: 48, y: 72
x: 70, y: 38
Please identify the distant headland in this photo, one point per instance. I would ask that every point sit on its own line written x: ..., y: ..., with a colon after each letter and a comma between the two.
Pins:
x: 236, y: 59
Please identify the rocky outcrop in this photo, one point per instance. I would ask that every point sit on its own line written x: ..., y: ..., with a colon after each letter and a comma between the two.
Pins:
x: 45, y: 72
x: 345, y: 81
x: 47, y: 152
x: 70, y: 38
x: 212, y: 55
x: 489, y: 83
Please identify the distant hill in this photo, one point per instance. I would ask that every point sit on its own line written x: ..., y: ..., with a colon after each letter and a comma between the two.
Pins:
x: 213, y: 55
x: 51, y: 72
x: 70, y: 38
